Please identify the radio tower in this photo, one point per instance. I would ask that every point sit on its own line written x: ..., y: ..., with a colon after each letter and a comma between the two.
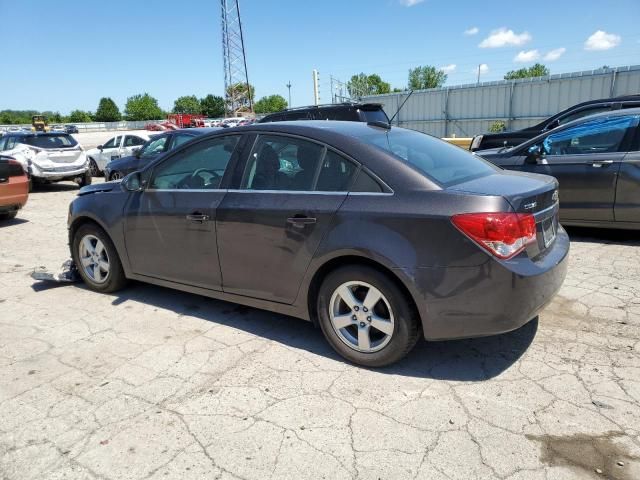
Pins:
x: 236, y: 80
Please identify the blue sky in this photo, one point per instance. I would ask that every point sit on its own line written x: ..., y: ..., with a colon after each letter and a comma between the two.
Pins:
x: 66, y: 55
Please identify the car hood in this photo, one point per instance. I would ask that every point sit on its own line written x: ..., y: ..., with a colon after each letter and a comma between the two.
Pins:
x: 100, y: 187
x: 119, y: 162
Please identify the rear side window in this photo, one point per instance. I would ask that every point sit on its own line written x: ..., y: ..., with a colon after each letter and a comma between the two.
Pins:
x: 374, y: 116
x: 133, y: 141
x: 51, y: 141
x: 366, y: 183
x: 438, y: 160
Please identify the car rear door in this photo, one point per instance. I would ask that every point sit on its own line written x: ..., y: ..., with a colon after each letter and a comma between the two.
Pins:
x: 170, y: 225
x: 585, y: 158
x: 270, y: 226
x: 627, y: 207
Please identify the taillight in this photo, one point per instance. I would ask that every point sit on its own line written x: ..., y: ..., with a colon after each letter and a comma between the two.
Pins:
x: 502, y: 234
x: 15, y: 168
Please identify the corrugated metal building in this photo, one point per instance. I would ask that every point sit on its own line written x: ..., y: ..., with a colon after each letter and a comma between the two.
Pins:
x: 466, y: 110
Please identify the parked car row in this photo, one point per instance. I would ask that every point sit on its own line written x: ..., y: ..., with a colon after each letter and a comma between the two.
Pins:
x: 114, y: 148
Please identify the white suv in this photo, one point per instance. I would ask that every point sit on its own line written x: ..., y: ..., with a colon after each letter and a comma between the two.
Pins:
x: 114, y: 148
x: 48, y: 157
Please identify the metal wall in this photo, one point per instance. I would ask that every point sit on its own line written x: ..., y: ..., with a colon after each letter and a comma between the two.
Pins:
x: 466, y: 110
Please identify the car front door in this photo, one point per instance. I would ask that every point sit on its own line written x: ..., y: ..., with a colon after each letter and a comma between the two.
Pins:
x: 110, y: 151
x: 627, y: 207
x: 585, y: 158
x: 271, y: 225
x: 170, y: 224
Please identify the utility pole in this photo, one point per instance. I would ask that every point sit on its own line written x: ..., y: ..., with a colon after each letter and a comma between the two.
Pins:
x: 289, y: 87
x: 333, y: 95
x: 236, y: 79
x: 478, y: 82
x: 316, y: 87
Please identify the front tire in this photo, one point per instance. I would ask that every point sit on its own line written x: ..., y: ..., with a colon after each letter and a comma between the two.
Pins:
x: 97, y: 260
x: 116, y: 175
x: 93, y: 168
x: 366, y: 317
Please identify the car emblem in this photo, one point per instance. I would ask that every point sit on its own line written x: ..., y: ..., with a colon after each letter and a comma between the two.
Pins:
x: 555, y: 196
x: 530, y: 206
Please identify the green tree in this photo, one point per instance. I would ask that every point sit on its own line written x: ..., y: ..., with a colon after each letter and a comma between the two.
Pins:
x: 187, y: 104
x: 80, y: 116
x: 426, y: 76
x: 363, y: 84
x: 272, y: 103
x: 107, y: 111
x: 142, y: 107
x: 537, y: 70
x: 241, y: 94
x: 212, y: 106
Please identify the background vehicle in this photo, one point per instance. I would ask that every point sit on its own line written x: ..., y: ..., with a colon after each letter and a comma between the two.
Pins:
x: 351, y: 226
x: 48, y: 157
x: 596, y: 161
x: 509, y: 139
x: 152, y: 149
x: 230, y: 122
x: 186, y: 120
x: 71, y: 129
x: 39, y: 123
x: 116, y: 147
x: 58, y: 129
x: 352, y: 112
x: 14, y: 187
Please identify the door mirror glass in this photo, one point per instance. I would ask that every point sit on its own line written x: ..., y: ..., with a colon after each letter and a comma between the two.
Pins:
x: 100, y: 147
x: 534, y: 153
x: 132, y: 182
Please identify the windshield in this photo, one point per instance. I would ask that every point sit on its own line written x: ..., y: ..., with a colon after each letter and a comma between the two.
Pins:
x: 154, y: 147
x: 50, y: 141
x: 375, y: 116
x: 440, y: 161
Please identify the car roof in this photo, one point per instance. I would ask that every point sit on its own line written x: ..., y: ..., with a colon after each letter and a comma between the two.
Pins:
x: 37, y: 134
x: 195, y: 131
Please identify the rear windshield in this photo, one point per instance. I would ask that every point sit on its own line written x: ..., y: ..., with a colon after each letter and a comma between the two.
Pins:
x: 50, y: 141
x: 442, y: 162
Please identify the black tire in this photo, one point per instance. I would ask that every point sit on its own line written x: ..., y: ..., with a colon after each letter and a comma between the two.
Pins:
x: 115, y: 175
x: 86, y: 179
x: 8, y: 215
x: 116, y: 279
x: 406, y: 329
x: 93, y: 168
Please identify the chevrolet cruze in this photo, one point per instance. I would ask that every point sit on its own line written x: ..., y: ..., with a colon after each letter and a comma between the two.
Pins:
x: 377, y: 234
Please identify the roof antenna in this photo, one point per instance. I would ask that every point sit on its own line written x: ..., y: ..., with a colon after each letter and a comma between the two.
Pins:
x: 400, y: 107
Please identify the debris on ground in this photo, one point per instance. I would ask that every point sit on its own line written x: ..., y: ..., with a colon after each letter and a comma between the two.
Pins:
x: 68, y: 273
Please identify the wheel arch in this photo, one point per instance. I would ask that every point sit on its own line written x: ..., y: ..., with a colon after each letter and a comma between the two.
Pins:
x: 350, y: 259
x: 85, y: 219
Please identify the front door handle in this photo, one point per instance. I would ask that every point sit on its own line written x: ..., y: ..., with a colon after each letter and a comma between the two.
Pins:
x: 601, y: 163
x: 197, y: 217
x: 301, y: 220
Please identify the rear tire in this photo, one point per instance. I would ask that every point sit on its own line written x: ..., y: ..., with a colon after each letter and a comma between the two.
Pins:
x: 97, y: 260
x: 86, y: 179
x: 366, y: 331
x: 8, y: 215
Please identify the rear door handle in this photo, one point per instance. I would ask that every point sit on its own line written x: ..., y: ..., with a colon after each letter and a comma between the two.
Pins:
x: 197, y: 217
x: 301, y: 220
x: 601, y: 163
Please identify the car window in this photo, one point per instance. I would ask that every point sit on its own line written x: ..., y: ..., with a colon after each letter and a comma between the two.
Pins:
x: 199, y: 167
x: 438, y: 160
x: 583, y: 113
x: 111, y: 143
x: 336, y: 173
x: 154, y: 147
x: 282, y: 163
x: 133, y: 141
x: 11, y: 143
x: 3, y: 140
x: 179, y: 139
x: 602, y: 135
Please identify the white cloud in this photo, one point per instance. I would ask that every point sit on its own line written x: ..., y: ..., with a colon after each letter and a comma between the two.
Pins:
x: 448, y: 68
x: 410, y: 3
x: 472, y: 31
x: 553, y: 55
x: 602, y: 40
x: 526, y: 57
x: 505, y: 38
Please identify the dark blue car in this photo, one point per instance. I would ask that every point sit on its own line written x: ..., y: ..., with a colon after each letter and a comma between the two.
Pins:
x: 152, y: 149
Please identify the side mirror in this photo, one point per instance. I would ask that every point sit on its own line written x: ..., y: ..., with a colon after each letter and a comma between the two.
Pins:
x: 132, y: 182
x: 534, y: 153
x: 100, y: 147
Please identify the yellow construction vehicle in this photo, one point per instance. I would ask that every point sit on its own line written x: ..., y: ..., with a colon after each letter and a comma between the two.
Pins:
x: 39, y: 123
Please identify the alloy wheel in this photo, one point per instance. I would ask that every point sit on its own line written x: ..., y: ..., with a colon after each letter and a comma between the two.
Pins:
x: 94, y: 259
x: 361, y: 316
x: 116, y: 175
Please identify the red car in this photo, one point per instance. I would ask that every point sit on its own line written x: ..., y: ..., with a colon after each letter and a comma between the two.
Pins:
x: 14, y: 187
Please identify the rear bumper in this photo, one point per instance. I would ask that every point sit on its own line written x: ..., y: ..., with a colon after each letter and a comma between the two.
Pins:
x: 14, y: 194
x: 492, y: 298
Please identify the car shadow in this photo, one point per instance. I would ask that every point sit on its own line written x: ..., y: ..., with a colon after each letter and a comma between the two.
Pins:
x: 603, y: 235
x: 54, y: 187
x: 461, y: 360
x: 12, y: 222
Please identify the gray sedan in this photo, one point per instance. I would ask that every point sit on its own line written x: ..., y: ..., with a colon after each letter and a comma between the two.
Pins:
x: 376, y: 234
